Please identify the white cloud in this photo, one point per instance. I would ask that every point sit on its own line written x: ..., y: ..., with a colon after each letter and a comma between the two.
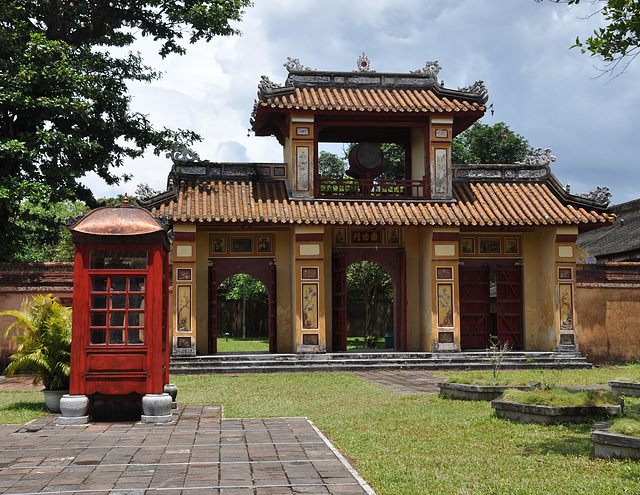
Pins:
x: 539, y: 87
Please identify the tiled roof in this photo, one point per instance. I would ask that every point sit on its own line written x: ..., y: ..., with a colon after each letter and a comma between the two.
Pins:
x: 623, y: 236
x: 369, y: 100
x: 481, y: 204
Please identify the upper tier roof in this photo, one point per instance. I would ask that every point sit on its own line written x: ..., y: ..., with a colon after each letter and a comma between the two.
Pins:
x: 366, y: 93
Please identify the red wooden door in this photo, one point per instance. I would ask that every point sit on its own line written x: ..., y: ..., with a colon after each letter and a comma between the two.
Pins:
x: 509, y: 305
x: 339, y: 302
x: 213, y: 309
x: 273, y: 309
x: 475, y: 320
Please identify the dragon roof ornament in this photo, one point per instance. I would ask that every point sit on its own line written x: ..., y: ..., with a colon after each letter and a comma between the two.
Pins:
x: 293, y: 64
x: 182, y: 154
x: 539, y: 157
x: 477, y: 88
x: 601, y: 195
x: 431, y: 68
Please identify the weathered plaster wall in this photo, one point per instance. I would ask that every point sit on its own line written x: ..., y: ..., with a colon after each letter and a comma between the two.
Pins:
x: 201, y: 291
x: 413, y: 283
x: 284, y: 282
x: 539, y: 289
x: 24, y: 281
x: 608, y: 304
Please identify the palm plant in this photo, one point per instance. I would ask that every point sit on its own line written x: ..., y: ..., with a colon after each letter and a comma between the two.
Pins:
x: 44, y: 341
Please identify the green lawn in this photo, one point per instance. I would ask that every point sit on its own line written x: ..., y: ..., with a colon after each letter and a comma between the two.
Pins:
x: 250, y: 344
x: 421, y: 444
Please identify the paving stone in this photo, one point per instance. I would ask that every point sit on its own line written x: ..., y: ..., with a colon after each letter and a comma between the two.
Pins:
x: 198, y: 453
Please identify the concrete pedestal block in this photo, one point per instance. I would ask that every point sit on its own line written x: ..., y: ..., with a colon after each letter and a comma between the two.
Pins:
x: 172, y: 390
x: 156, y: 408
x: 74, y: 410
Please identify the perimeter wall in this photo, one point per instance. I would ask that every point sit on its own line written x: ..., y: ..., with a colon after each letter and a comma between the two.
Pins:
x: 608, y: 312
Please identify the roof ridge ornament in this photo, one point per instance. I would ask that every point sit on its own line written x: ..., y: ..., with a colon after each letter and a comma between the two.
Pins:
x: 477, y: 88
x: 294, y: 65
x: 431, y: 68
x: 266, y: 85
x: 182, y: 154
x: 363, y: 64
x: 539, y: 157
x: 601, y: 195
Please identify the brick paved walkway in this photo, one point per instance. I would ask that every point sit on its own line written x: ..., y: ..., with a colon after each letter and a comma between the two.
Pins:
x: 403, y: 382
x: 198, y: 453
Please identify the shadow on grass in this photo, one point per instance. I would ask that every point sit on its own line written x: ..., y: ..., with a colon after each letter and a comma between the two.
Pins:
x: 576, y: 440
x: 35, y: 407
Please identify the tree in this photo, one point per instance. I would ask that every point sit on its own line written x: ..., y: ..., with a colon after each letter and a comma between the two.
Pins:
x: 331, y: 166
x: 245, y: 288
x: 619, y: 40
x: 369, y: 281
x: 64, y: 102
x: 483, y: 143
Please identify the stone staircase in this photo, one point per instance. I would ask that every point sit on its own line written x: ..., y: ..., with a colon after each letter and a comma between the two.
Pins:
x: 368, y: 361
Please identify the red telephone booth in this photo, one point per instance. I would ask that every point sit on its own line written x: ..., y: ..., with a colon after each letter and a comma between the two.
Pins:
x: 120, y: 335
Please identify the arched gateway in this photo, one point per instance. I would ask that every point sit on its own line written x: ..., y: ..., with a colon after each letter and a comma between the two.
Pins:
x: 477, y: 253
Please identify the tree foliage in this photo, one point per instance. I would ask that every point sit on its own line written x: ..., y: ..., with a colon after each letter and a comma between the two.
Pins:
x: 483, y: 143
x: 333, y: 166
x: 64, y: 102
x: 370, y: 282
x: 618, y: 42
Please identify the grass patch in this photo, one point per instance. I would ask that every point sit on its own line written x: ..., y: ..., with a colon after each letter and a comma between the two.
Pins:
x: 486, y: 378
x: 249, y: 344
x: 359, y: 343
x: 626, y: 426
x: 563, y: 397
x: 417, y: 444
x: 21, y: 406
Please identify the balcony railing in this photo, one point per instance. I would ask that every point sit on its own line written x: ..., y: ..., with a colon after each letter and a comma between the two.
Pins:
x: 372, y: 188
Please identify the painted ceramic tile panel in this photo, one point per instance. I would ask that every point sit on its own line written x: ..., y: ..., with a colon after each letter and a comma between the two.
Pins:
x: 566, y: 307
x: 309, y: 306
x: 184, y: 308
x: 445, y: 309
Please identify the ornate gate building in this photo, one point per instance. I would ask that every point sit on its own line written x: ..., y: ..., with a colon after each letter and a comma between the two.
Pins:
x: 476, y: 253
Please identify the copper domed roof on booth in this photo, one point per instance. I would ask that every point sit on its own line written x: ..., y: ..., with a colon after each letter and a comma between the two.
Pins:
x: 123, y: 220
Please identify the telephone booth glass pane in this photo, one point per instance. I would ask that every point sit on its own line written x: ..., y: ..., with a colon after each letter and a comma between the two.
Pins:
x: 117, y: 310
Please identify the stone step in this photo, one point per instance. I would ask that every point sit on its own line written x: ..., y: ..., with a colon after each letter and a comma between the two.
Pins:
x: 345, y: 362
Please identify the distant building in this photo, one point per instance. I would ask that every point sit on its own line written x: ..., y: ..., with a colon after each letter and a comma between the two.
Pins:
x: 618, y: 242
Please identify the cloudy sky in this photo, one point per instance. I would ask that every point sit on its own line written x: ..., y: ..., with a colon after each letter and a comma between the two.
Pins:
x: 540, y: 88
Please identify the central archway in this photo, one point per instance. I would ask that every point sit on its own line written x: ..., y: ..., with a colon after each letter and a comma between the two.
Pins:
x: 393, y: 261
x: 260, y: 268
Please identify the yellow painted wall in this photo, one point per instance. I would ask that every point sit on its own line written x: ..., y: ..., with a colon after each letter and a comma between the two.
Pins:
x: 414, y: 281
x: 418, y: 154
x: 284, y: 279
x: 201, y: 282
x: 539, y: 289
x: 424, y: 291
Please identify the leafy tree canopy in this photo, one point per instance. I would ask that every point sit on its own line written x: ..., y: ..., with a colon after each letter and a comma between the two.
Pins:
x: 483, y: 143
x: 64, y: 102
x: 618, y: 42
x: 332, y: 166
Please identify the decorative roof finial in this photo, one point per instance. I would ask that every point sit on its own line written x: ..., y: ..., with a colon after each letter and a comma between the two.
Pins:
x: 182, y: 154
x: 539, y: 157
x: 431, y: 68
x: 125, y: 201
x: 364, y: 64
x: 293, y: 64
x: 600, y: 195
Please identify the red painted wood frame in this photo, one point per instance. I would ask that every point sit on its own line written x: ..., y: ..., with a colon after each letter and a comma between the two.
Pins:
x: 120, y: 366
